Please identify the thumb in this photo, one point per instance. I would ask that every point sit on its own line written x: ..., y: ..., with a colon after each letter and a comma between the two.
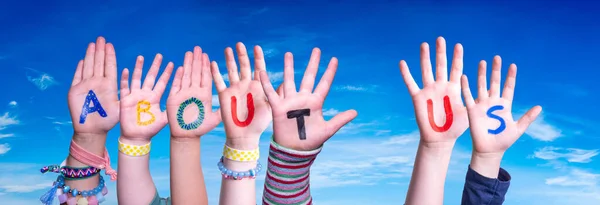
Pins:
x: 528, y: 118
x: 339, y: 120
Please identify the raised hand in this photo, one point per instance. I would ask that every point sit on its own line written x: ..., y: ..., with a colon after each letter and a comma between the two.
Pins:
x: 441, y: 115
x: 298, y: 121
x: 141, y: 117
x: 189, y: 107
x: 244, y: 107
x: 492, y: 127
x: 93, y: 100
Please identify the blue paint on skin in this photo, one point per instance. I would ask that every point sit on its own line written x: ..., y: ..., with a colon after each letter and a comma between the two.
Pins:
x: 86, y: 109
x: 492, y: 115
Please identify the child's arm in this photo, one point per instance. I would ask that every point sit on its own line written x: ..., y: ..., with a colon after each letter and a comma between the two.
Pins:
x: 189, y: 110
x: 299, y: 130
x: 141, y: 119
x: 493, y: 131
x: 441, y: 118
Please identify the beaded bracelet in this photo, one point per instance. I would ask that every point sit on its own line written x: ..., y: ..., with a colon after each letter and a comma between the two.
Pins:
x: 61, y: 191
x: 229, y: 174
x: 72, y: 173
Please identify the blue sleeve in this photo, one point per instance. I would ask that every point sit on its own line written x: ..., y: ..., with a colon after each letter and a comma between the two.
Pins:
x: 480, y: 190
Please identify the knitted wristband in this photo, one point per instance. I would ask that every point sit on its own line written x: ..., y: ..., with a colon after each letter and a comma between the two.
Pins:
x: 134, y: 150
x: 240, y: 155
x: 287, y: 180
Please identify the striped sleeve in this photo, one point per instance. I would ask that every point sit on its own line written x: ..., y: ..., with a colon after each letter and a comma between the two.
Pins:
x: 288, y: 176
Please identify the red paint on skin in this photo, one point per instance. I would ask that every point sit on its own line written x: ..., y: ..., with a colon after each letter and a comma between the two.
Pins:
x: 449, y: 115
x: 249, y: 105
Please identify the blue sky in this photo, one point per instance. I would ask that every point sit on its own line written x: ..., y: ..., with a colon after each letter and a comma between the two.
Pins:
x: 370, y: 160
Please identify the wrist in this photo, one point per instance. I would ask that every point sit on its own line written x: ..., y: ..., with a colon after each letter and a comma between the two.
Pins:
x: 239, y: 166
x: 243, y: 143
x: 486, y: 164
x: 184, y: 140
x: 441, y: 148
x: 94, y: 143
x: 134, y: 141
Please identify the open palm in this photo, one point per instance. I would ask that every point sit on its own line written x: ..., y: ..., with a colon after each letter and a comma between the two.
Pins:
x: 189, y: 107
x: 141, y: 117
x: 441, y: 115
x: 253, y: 113
x: 306, y: 103
x: 95, y: 79
x: 492, y: 127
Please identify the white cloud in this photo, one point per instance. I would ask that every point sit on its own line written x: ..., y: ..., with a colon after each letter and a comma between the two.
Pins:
x: 542, y: 130
x: 215, y: 101
x: 353, y: 128
x: 6, y: 135
x: 62, y: 122
x: 354, y: 88
x: 40, y: 79
x: 6, y: 120
x: 330, y: 112
x: 570, y: 154
x: 12, y: 103
x: 4, y: 148
x: 577, y: 177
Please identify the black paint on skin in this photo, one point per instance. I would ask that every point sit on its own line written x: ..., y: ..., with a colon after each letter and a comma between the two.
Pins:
x: 299, y: 115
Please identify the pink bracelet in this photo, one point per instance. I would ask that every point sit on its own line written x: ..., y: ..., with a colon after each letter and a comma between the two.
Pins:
x: 93, y: 160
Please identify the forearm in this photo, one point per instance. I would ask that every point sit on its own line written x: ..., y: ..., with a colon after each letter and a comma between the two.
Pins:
x: 239, y: 192
x: 187, y: 180
x: 429, y: 174
x: 135, y: 184
x: 93, y: 143
x: 288, y: 176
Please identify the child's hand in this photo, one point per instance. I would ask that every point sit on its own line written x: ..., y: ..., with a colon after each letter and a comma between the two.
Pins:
x: 297, y: 116
x: 189, y: 107
x: 93, y: 101
x: 439, y: 109
x: 244, y: 98
x: 141, y: 117
x: 492, y: 127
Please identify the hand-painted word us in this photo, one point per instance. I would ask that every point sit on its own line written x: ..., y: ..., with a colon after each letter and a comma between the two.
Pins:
x: 145, y: 109
x: 249, y: 105
x: 196, y: 123
x: 492, y: 115
x: 299, y: 115
x: 86, y: 109
x: 449, y: 115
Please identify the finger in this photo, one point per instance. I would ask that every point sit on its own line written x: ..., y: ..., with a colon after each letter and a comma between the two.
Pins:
x: 495, y: 79
x: 441, y: 60
x: 288, y: 75
x: 152, y: 73
x: 124, y: 83
x: 186, y: 80
x: 469, y: 101
x: 426, y: 72
x: 280, y: 91
x: 99, y: 57
x: 412, y: 86
x: 88, y: 61
x: 176, y: 86
x: 219, y: 82
x: 110, y: 70
x: 160, y: 86
x: 246, y: 73
x: 482, y: 81
x: 197, y: 67
x: 259, y: 62
x: 136, y: 79
x: 339, y: 120
x: 510, y: 83
x: 457, y: 63
x: 327, y: 79
x: 527, y: 119
x: 268, y: 88
x: 308, y: 81
x: 206, y: 76
x: 78, y: 73
x: 232, y: 70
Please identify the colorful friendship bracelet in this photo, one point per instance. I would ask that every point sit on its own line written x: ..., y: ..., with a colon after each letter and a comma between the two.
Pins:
x: 93, y: 160
x: 240, y: 155
x: 61, y: 191
x: 134, y: 150
x: 229, y: 174
x: 72, y: 173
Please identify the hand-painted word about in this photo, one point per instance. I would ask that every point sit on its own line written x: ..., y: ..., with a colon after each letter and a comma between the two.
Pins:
x: 492, y: 115
x: 449, y: 115
x: 249, y: 105
x: 86, y: 109
x: 145, y: 109
x: 299, y: 115
x: 196, y: 123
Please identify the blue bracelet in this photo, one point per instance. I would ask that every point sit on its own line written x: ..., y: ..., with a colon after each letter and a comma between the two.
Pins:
x: 229, y: 174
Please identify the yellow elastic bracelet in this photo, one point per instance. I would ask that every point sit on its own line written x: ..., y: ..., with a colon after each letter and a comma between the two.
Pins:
x: 134, y: 150
x: 240, y: 155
